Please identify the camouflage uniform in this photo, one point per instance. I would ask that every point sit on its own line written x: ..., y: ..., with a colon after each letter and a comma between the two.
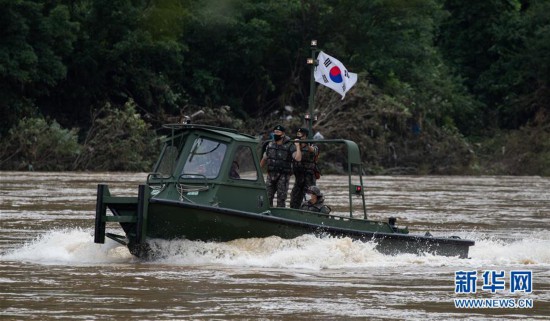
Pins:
x: 304, y: 175
x: 279, y: 165
x: 319, y: 206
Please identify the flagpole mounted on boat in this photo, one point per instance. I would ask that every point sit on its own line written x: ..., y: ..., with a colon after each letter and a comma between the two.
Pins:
x: 312, y: 62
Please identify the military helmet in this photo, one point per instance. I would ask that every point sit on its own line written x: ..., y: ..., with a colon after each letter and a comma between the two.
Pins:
x: 315, y: 190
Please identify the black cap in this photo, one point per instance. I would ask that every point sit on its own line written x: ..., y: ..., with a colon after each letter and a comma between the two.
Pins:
x: 303, y: 130
x: 279, y: 127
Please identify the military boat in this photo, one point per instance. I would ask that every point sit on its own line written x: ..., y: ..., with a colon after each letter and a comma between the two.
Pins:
x: 207, y: 185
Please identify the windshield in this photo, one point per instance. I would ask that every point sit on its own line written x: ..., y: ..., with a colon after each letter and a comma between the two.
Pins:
x: 205, y: 158
x: 167, y: 161
x: 169, y: 157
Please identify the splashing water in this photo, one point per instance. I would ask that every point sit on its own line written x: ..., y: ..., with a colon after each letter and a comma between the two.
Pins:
x: 75, y: 246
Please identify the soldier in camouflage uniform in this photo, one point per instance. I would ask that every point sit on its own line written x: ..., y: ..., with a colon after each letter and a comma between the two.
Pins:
x: 303, y: 170
x: 278, y: 156
x: 315, y: 201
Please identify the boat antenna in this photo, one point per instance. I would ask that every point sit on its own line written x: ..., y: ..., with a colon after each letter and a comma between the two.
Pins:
x: 312, y: 62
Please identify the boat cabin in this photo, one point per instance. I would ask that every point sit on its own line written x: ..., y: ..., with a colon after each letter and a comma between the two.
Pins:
x: 211, y: 166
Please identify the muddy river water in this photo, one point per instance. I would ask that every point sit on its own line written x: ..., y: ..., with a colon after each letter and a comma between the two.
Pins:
x: 50, y: 269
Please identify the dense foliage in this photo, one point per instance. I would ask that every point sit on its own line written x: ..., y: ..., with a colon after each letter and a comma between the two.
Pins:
x: 439, y: 80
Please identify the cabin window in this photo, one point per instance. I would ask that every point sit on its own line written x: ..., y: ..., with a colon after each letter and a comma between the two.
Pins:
x: 167, y: 161
x: 205, y: 158
x: 243, y: 165
x: 169, y: 157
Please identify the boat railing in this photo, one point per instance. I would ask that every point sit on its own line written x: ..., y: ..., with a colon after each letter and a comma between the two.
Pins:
x: 189, y: 126
x: 185, y: 188
x: 179, y: 126
x: 353, y: 158
x: 157, y: 179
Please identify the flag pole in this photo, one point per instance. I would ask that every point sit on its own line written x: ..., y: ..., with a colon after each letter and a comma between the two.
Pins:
x: 312, y: 63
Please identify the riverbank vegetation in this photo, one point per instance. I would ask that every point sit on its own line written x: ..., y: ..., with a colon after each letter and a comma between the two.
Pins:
x: 445, y: 86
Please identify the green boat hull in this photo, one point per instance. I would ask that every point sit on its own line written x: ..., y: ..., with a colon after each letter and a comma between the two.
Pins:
x: 175, y: 220
x: 169, y: 219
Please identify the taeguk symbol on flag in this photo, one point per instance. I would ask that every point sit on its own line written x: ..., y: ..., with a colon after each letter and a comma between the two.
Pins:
x: 335, y: 74
x: 331, y: 72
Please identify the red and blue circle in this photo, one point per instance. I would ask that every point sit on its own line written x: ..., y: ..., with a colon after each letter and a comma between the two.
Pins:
x: 336, y: 75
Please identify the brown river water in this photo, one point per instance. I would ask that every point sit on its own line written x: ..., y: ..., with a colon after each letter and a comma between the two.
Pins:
x: 50, y: 269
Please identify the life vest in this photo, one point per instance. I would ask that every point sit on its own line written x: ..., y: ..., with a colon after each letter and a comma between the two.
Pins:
x: 279, y: 157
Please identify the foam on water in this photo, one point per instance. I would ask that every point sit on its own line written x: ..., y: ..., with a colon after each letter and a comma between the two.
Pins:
x: 76, y: 247
x: 303, y: 252
x: 528, y: 250
x: 68, y: 246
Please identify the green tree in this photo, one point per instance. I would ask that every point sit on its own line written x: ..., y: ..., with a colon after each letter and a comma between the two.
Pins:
x: 122, y: 52
x: 471, y: 41
x: 38, y: 144
x: 517, y: 85
x: 394, y: 42
x: 118, y: 140
x: 34, y: 41
x: 247, y: 54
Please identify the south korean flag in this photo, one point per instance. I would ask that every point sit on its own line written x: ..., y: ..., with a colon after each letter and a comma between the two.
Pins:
x: 331, y: 72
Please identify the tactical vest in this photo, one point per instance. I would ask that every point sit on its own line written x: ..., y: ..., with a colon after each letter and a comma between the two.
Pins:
x: 307, y: 164
x: 279, y: 157
x: 317, y: 207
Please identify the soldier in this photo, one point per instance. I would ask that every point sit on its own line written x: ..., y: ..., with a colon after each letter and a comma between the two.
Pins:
x: 278, y: 156
x: 315, y: 201
x: 303, y: 170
